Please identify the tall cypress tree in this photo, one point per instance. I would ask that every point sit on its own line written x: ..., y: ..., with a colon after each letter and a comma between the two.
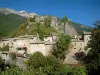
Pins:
x: 65, y: 20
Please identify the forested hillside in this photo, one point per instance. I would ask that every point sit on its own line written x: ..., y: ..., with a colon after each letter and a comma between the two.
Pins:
x: 9, y: 22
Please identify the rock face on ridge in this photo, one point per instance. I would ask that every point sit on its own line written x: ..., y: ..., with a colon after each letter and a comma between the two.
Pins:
x: 67, y: 29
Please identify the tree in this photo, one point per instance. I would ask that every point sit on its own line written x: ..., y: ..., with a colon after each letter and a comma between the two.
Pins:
x: 1, y: 60
x: 65, y: 20
x: 36, y: 61
x: 47, y: 21
x: 93, y: 56
x: 61, y: 48
x: 33, y: 19
x: 39, y: 31
x: 5, y: 48
x: 14, y: 70
x: 42, y: 65
x: 81, y: 70
x: 97, y: 24
x: 38, y: 64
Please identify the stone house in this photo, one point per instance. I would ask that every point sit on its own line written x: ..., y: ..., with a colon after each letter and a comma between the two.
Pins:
x: 78, y: 43
x: 30, y: 44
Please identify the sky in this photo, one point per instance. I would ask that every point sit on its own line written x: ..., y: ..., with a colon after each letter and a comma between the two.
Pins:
x: 82, y: 11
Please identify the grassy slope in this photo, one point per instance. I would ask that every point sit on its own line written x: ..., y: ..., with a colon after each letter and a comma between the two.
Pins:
x: 44, y: 29
x: 32, y: 30
x: 9, y: 22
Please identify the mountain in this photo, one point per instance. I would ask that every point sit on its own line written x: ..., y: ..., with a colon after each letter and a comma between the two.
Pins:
x: 80, y: 27
x: 26, y: 14
x: 11, y: 20
x: 7, y: 11
x: 21, y: 13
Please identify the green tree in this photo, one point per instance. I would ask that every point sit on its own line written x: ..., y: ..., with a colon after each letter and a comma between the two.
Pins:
x: 39, y: 31
x: 33, y: 19
x: 93, y: 56
x: 65, y: 20
x: 80, y: 70
x: 97, y: 24
x: 38, y: 64
x: 14, y: 70
x: 21, y: 30
x: 1, y: 60
x: 37, y: 60
x: 5, y: 48
x: 61, y: 48
x: 47, y: 21
x: 42, y: 65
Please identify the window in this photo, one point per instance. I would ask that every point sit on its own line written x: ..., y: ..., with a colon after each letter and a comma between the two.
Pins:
x: 12, y: 43
x: 19, y: 48
x: 74, y: 48
x: 75, y: 44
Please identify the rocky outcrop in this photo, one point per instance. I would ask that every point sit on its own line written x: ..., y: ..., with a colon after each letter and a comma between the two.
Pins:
x: 67, y: 29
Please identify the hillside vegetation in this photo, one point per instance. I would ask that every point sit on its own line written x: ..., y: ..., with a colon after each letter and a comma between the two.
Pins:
x: 12, y: 24
x: 9, y: 22
x: 33, y: 28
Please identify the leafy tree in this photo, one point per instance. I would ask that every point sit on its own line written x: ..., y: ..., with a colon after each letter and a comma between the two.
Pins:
x: 93, y: 56
x: 37, y: 60
x: 14, y: 70
x: 61, y: 48
x: 42, y: 65
x: 81, y: 70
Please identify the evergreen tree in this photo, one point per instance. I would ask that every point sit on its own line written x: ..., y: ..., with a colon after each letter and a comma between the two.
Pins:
x: 65, y: 20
